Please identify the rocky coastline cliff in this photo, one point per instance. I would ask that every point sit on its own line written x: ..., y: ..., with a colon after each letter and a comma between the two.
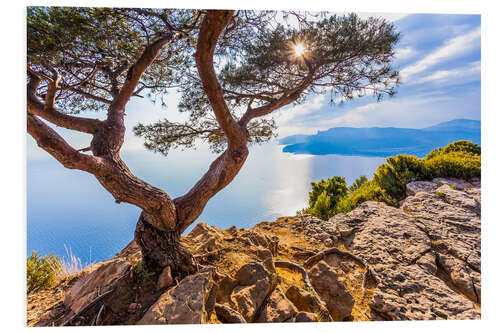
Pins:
x: 419, y: 261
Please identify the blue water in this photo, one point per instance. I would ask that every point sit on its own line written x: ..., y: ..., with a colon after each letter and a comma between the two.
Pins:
x: 68, y: 209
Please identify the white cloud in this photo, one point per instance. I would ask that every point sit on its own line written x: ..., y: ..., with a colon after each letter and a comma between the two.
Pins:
x: 462, y: 74
x: 404, y: 53
x: 287, y: 114
x: 454, y: 47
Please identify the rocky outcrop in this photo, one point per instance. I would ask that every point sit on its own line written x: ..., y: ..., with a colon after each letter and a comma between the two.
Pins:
x: 306, y: 317
x: 190, y: 302
x: 418, y: 261
x: 426, y: 253
x: 306, y: 302
x: 277, y: 308
x: 332, y: 290
x: 420, y: 186
x: 227, y: 315
x: 255, y: 282
x: 101, y: 280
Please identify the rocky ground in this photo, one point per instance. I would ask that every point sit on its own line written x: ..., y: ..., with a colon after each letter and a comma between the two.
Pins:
x: 420, y: 261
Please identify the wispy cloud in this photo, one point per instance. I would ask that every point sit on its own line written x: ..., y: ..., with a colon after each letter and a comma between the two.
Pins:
x: 404, y: 53
x: 468, y: 73
x: 452, y: 48
x: 287, y: 114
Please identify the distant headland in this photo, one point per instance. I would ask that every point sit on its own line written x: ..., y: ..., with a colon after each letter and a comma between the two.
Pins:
x: 383, y: 141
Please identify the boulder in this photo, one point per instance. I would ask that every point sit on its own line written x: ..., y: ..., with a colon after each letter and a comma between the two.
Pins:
x: 332, y: 290
x: 263, y: 253
x: 276, y: 309
x: 255, y: 282
x: 306, y: 302
x: 190, y: 302
x: 250, y: 273
x: 165, y: 278
x: 420, y: 186
x: 455, y: 183
x: 202, y: 233
x: 225, y: 288
x: 306, y: 317
x: 227, y: 315
x: 100, y: 280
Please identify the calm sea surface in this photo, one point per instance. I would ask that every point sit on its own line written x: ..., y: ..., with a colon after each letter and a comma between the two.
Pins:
x: 68, y: 209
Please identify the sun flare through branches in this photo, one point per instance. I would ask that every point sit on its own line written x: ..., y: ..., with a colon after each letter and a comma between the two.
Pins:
x: 299, y: 49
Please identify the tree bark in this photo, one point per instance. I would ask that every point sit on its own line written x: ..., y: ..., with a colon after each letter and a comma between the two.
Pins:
x: 161, y: 249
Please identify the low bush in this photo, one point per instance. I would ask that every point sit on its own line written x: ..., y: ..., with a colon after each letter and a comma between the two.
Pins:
x: 369, y: 191
x: 460, y: 159
x: 454, y: 164
x: 457, y: 146
x: 335, y: 188
x: 42, y: 271
x: 357, y: 184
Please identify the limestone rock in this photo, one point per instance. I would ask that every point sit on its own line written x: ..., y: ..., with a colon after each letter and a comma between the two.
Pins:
x: 304, y: 301
x: 255, y: 283
x: 225, y: 287
x: 400, y: 245
x: 277, y: 308
x: 190, y: 302
x: 458, y: 184
x: 460, y: 276
x: 165, y: 278
x: 99, y: 281
x: 426, y: 254
x: 420, y: 186
x: 306, y: 317
x: 332, y: 290
x: 454, y: 222
x: 227, y: 315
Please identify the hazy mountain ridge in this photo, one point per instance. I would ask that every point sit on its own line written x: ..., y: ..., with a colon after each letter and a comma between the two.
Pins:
x: 383, y: 141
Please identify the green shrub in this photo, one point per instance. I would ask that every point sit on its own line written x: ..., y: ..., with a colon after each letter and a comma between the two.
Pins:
x: 335, y: 188
x: 399, y: 170
x: 357, y: 184
x: 454, y: 164
x: 457, y: 146
x: 370, y: 191
x: 42, y: 271
x: 323, y: 207
x: 460, y: 159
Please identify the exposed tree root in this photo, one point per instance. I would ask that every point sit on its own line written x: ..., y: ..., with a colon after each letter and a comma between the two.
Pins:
x: 305, y: 277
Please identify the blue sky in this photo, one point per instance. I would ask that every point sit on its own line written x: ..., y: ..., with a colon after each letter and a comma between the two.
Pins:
x: 439, y: 60
x: 438, y: 56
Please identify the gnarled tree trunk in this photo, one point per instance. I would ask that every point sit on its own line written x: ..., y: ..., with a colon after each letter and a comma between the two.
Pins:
x: 162, y: 248
x: 163, y: 219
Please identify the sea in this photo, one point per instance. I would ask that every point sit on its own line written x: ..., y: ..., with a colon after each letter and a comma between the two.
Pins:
x: 69, y: 213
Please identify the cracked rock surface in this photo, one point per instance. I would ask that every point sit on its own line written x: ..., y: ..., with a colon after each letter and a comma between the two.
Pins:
x: 426, y: 254
x: 418, y: 261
